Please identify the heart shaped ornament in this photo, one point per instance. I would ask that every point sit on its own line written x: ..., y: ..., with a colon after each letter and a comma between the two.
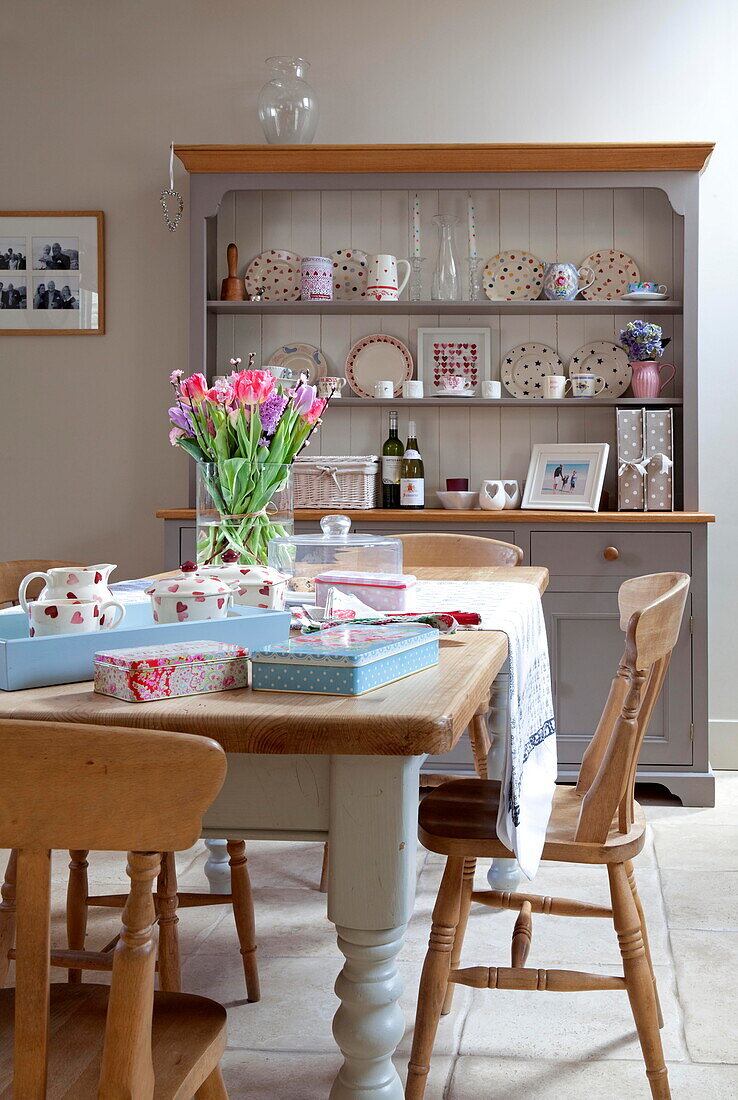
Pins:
x: 172, y: 219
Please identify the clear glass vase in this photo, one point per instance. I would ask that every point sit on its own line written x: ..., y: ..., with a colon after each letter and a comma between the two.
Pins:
x: 241, y: 506
x: 288, y: 106
x: 446, y: 285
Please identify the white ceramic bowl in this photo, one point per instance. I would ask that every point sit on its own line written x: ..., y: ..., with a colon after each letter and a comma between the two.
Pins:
x: 459, y: 501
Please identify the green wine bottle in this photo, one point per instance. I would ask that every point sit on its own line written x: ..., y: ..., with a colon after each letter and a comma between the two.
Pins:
x: 392, y: 452
x: 412, y: 473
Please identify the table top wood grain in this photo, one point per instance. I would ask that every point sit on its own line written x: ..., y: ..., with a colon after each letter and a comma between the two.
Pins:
x: 423, y: 713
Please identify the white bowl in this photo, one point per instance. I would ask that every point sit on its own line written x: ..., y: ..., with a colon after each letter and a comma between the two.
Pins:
x: 459, y: 500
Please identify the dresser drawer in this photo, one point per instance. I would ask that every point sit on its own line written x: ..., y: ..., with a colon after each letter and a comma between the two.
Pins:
x: 610, y: 553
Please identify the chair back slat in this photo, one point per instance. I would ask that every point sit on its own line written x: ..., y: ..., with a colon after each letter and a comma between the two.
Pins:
x: 33, y: 944
x: 651, y: 610
x: 443, y: 548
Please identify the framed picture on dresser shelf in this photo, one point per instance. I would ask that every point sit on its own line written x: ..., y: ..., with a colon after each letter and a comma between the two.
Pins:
x: 52, y: 268
x: 447, y: 355
x: 566, y: 477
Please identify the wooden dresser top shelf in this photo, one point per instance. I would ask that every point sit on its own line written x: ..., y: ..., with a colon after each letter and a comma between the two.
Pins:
x: 406, y: 308
x: 690, y: 156
x: 442, y: 515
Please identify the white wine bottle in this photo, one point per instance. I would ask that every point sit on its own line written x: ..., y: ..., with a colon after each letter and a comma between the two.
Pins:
x: 412, y: 473
x: 392, y: 452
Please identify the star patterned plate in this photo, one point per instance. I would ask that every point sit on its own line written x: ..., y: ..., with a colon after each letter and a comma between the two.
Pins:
x: 513, y: 277
x: 523, y: 369
x: 349, y: 274
x: 607, y: 360
x: 613, y: 271
x: 278, y: 271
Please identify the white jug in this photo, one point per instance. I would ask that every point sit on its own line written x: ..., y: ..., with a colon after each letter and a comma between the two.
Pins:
x: 381, y: 278
x: 71, y: 582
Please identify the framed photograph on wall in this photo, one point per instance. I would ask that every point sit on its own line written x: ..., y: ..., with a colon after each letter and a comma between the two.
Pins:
x: 453, y: 353
x: 52, y: 273
x: 566, y: 477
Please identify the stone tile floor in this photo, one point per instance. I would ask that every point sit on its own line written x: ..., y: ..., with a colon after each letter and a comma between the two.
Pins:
x: 510, y: 1046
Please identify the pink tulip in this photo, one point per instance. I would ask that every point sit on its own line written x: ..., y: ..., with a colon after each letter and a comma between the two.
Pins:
x: 222, y: 393
x: 251, y: 387
x: 315, y: 411
x: 175, y: 435
x: 195, y: 388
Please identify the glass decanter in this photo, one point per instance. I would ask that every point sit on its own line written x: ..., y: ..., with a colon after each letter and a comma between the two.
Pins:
x: 446, y: 285
x: 288, y: 106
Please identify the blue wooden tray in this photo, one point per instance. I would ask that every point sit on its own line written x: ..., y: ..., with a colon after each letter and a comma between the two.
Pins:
x: 68, y: 658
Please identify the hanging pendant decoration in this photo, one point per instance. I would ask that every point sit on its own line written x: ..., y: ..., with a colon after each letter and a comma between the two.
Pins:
x: 169, y: 193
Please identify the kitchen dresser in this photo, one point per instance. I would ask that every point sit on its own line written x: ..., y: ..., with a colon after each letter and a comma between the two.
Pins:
x: 558, y: 202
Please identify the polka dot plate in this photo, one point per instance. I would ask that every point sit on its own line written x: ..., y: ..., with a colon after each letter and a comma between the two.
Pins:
x: 278, y: 271
x: 613, y: 270
x: 349, y: 274
x: 523, y: 369
x: 607, y: 360
x: 513, y: 277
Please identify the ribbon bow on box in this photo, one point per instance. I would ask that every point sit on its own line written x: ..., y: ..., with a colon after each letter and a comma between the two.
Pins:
x: 330, y: 471
x: 662, y: 463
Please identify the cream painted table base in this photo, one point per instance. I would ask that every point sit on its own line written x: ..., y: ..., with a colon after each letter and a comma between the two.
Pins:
x: 367, y: 807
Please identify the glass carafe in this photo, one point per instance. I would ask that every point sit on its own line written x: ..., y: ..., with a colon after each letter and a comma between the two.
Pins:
x: 446, y: 278
x: 288, y: 106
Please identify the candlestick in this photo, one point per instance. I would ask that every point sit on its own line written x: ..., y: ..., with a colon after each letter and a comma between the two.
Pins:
x: 472, y: 227
x: 416, y: 225
x: 416, y: 290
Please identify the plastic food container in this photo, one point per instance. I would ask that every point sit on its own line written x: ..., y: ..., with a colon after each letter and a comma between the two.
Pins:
x: 345, y: 660
x: 143, y: 673
x: 382, y: 591
x: 303, y: 557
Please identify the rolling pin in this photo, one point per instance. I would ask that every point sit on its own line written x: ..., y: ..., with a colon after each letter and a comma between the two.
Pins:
x: 232, y: 289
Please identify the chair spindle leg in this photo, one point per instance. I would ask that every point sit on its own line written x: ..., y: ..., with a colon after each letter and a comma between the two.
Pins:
x: 243, y: 914
x: 467, y: 885
x: 644, y: 931
x: 170, y: 975
x: 77, y: 892
x: 522, y: 935
x: 7, y: 915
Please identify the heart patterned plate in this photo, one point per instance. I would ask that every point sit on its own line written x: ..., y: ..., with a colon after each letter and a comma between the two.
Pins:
x: 613, y: 271
x: 378, y: 358
x: 349, y: 274
x: 523, y: 369
x: 606, y: 359
x: 513, y: 277
x: 278, y: 271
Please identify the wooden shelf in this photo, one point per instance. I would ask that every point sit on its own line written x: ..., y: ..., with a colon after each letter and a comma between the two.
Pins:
x: 443, y: 515
x: 508, y: 402
x: 406, y: 308
x: 689, y: 156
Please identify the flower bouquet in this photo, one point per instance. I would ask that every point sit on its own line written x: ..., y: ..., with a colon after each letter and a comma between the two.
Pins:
x: 643, y: 341
x: 244, y: 432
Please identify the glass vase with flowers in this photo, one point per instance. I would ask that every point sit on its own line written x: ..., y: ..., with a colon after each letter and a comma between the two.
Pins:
x: 244, y: 432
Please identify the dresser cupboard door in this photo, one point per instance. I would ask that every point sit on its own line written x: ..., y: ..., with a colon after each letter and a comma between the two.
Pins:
x: 586, y: 644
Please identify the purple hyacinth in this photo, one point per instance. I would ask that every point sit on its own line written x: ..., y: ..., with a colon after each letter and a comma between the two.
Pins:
x: 642, y: 341
x: 181, y: 418
x: 270, y: 412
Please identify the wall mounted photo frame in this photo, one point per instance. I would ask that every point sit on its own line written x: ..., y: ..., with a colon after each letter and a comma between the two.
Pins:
x: 52, y: 273
x: 566, y: 477
x: 453, y: 352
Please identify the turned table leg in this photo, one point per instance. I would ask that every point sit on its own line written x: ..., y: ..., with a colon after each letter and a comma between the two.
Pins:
x: 218, y: 867
x: 503, y: 874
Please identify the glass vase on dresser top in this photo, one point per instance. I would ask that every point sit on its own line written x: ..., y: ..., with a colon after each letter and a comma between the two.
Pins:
x: 288, y: 106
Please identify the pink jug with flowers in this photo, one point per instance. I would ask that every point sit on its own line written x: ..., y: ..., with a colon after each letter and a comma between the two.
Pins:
x: 646, y: 380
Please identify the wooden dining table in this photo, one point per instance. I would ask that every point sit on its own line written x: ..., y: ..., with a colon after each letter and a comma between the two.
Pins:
x: 337, y: 768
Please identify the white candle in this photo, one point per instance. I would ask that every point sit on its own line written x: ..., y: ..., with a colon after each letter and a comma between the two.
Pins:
x: 416, y: 225
x: 472, y: 227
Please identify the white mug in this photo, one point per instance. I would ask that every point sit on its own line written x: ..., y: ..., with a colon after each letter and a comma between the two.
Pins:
x: 384, y: 389
x: 584, y: 385
x: 491, y: 388
x: 555, y: 385
x: 381, y: 279
x: 330, y: 386
x: 412, y: 388
x: 47, y: 617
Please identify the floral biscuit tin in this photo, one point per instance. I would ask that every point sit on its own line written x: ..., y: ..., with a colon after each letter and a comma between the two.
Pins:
x: 382, y: 591
x: 143, y: 673
x: 345, y: 660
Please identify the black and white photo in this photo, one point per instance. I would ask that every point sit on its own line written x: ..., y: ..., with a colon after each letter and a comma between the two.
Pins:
x: 56, y: 253
x: 60, y: 292
x: 13, y: 253
x: 13, y: 292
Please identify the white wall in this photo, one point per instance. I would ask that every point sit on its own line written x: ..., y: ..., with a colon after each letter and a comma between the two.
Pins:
x: 92, y: 90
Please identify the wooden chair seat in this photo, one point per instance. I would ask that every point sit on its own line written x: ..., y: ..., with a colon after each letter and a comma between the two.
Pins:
x: 460, y: 818
x: 187, y: 1032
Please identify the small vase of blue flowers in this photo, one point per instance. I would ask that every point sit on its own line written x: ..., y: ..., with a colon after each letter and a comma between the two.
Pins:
x: 644, y: 343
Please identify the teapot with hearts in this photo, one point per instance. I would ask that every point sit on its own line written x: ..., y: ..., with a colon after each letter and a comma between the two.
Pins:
x: 495, y: 495
x: 70, y: 582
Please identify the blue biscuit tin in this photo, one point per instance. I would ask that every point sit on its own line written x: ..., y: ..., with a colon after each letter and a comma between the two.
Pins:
x: 345, y: 660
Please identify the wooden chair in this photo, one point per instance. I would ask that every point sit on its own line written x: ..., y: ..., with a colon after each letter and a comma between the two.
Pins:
x: 598, y: 822
x: 438, y: 548
x: 13, y: 572
x: 65, y: 786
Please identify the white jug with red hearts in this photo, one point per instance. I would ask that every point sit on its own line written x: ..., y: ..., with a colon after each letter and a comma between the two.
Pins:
x: 70, y: 582
x: 381, y: 279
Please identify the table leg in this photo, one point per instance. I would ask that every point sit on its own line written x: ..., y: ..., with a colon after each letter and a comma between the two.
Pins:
x: 218, y: 867
x: 371, y: 890
x: 503, y: 874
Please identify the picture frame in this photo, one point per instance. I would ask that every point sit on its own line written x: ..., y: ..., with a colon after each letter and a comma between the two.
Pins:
x: 566, y: 477
x: 52, y: 273
x: 459, y: 351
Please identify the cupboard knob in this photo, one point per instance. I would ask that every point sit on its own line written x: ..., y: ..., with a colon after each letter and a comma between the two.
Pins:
x: 610, y: 553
